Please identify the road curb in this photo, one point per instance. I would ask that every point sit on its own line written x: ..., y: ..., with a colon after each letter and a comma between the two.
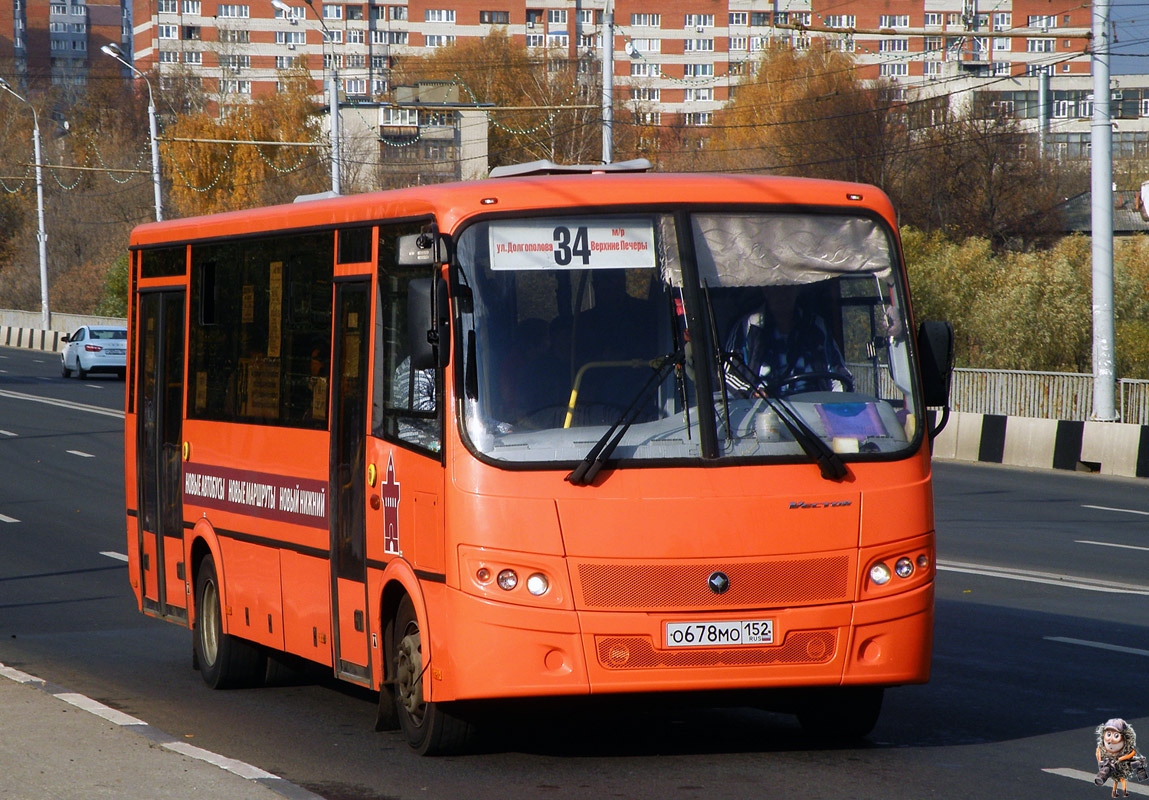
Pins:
x: 155, y: 736
x: 1110, y: 448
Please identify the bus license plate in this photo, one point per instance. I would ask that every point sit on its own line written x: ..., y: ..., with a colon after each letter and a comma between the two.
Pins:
x: 725, y: 633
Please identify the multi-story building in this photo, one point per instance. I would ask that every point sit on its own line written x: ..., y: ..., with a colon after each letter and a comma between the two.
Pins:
x: 673, y: 57
x: 59, y: 41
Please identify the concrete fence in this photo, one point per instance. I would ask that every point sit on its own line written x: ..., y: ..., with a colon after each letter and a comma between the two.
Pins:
x: 22, y: 328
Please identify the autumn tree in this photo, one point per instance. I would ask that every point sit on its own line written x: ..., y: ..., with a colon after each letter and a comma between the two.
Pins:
x: 208, y: 176
x: 541, y: 105
x: 806, y: 112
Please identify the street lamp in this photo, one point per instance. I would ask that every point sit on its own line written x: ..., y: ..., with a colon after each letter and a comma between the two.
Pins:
x: 332, y: 90
x: 116, y: 53
x: 41, y: 236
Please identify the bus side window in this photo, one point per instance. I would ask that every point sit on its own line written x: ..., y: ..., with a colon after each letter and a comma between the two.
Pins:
x: 406, y: 407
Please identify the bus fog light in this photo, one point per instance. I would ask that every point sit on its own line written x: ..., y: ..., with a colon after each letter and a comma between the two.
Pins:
x: 508, y: 579
x: 537, y: 584
x: 880, y: 574
x: 923, y: 561
x: 483, y: 575
x: 904, y: 568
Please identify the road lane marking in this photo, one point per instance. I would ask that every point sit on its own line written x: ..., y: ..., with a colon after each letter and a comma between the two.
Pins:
x: 1049, y: 578
x: 107, y: 412
x: 99, y: 709
x: 1111, y: 544
x: 154, y: 735
x: 116, y: 556
x: 1121, y: 510
x: 1081, y: 775
x: 80, y: 453
x: 6, y: 433
x: 1116, y: 648
x: 8, y: 519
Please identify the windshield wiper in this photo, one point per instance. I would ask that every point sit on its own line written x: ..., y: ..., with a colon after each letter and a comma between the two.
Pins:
x: 588, y: 468
x: 829, y: 462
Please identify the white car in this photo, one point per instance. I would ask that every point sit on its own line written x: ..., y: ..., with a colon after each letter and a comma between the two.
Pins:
x: 95, y: 348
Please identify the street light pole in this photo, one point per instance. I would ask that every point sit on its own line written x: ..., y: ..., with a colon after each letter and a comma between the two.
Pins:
x: 116, y: 53
x: 41, y: 235
x: 332, y: 91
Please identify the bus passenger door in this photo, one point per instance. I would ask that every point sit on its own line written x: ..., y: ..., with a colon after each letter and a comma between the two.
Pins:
x: 160, y: 389
x: 349, y: 416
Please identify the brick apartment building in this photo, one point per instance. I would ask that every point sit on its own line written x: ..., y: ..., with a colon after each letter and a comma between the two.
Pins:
x: 675, y: 61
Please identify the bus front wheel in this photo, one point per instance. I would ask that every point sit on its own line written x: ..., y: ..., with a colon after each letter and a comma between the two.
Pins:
x: 225, y: 661
x: 430, y: 728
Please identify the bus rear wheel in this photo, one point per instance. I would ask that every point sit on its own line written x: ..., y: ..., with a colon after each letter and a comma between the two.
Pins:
x: 225, y: 661
x: 429, y: 727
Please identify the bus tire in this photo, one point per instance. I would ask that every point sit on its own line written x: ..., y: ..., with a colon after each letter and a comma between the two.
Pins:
x: 430, y: 728
x: 225, y: 661
x: 843, y: 714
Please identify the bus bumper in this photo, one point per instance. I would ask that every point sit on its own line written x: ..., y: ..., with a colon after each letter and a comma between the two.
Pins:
x: 515, y: 651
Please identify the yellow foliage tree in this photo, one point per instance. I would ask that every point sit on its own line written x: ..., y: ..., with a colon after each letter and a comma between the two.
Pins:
x: 208, y: 177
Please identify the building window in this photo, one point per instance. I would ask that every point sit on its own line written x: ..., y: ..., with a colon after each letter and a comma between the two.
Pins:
x: 57, y: 9
x: 235, y: 62
x: 894, y: 21
x: 193, y: 57
x: 332, y: 11
x: 1041, y: 21
x: 432, y: 40
x: 698, y: 45
x: 698, y: 95
x: 169, y: 57
x: 933, y: 19
x: 494, y: 17
x: 647, y: 45
x: 932, y: 68
x: 698, y: 21
x: 399, y: 117
x: 165, y: 32
x: 897, y: 45
x: 556, y: 16
x: 355, y: 85
x: 646, y: 20
x: 289, y: 37
x: 1002, y: 68
x: 535, y: 40
x: 191, y: 7
x: 1002, y: 20
x: 335, y: 36
x: 1039, y: 45
x: 356, y: 36
x: 738, y: 18
x: 338, y: 61
x: 698, y: 70
x: 645, y: 93
x: 286, y: 62
x: 643, y: 69
x: 354, y: 12
x: 168, y: 7
x: 233, y: 11
x: 233, y: 86
x: 191, y: 33
x: 841, y: 21
x: 558, y: 40
x: 1001, y: 45
x: 439, y: 15
x: 292, y: 13
x: 398, y: 13
x: 896, y: 70
x: 697, y: 118
x: 737, y: 42
x: 933, y: 47
x: 378, y: 62
x: 760, y: 19
x: 242, y: 37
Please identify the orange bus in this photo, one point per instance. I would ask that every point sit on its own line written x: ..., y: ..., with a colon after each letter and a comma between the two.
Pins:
x: 557, y: 433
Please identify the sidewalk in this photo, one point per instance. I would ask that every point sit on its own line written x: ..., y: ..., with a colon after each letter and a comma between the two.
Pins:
x: 68, y: 747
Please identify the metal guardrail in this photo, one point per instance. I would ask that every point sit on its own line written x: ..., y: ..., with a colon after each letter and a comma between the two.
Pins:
x: 1045, y: 395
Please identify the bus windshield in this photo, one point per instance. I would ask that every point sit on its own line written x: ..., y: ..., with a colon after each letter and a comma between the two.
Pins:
x: 771, y: 328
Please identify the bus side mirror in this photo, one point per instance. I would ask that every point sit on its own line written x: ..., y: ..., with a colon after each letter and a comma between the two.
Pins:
x: 936, y: 354
x: 428, y: 323
x: 421, y: 249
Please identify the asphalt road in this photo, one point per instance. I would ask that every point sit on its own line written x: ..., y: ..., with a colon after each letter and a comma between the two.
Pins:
x: 1042, y: 633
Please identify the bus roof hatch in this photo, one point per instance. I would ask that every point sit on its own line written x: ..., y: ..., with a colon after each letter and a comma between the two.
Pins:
x: 544, y: 167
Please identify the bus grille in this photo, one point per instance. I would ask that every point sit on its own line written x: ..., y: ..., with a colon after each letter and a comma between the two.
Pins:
x: 637, y: 652
x: 759, y: 584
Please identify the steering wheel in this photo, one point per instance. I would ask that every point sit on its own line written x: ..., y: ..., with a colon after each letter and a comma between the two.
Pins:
x: 844, y: 378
